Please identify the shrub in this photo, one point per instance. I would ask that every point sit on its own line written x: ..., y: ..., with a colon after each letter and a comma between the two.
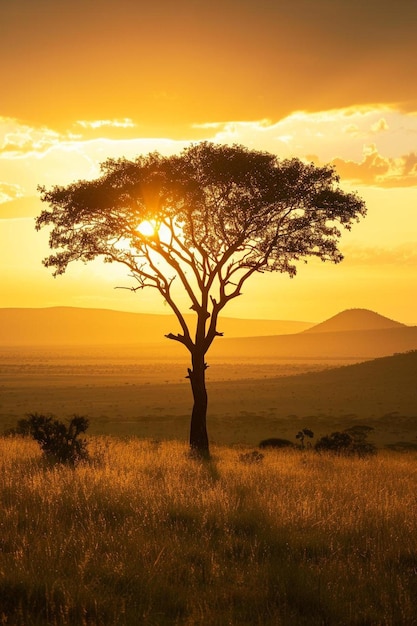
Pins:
x: 338, y: 442
x: 251, y: 457
x: 59, y: 443
x: 276, y: 442
x: 351, y: 441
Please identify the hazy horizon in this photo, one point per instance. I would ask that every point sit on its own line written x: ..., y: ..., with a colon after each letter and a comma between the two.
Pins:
x: 223, y: 317
x: 138, y: 312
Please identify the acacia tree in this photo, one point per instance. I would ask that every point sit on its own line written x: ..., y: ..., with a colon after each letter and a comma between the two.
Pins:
x: 218, y: 213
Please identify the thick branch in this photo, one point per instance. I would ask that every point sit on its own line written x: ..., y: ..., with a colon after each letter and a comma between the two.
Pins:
x: 178, y: 337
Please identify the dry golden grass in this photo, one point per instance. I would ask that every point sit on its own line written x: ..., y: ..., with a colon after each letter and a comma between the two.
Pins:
x: 145, y: 535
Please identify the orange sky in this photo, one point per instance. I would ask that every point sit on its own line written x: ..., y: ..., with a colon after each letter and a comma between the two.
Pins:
x: 329, y: 80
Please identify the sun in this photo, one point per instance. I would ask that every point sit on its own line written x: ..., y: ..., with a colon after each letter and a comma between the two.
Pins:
x: 147, y: 228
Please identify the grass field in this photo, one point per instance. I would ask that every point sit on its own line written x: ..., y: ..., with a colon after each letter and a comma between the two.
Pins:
x: 145, y: 535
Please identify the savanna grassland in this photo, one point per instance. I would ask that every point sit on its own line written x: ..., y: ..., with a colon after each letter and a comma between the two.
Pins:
x: 143, y: 534
x: 125, y: 392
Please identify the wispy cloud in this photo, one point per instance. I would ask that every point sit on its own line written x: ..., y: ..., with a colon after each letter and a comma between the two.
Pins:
x: 340, y: 133
x: 401, y: 255
x: 10, y: 191
x: 17, y: 138
x: 117, y: 123
x: 379, y: 126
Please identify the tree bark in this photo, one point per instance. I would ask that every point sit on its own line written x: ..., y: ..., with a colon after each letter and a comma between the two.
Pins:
x: 198, y: 431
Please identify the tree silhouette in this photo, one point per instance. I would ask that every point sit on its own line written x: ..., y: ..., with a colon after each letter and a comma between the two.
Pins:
x: 218, y: 213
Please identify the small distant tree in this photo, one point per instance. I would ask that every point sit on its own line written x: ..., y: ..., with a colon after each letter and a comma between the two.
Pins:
x: 205, y: 220
x: 361, y: 445
x: 302, y: 434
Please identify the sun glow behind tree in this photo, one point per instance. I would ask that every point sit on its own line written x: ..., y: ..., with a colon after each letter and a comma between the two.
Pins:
x: 147, y: 228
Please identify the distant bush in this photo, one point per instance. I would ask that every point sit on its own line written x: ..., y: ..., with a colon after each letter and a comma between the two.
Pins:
x: 350, y: 442
x: 59, y: 442
x: 359, y: 432
x: 402, y: 446
x: 251, y: 457
x: 338, y: 442
x: 276, y: 442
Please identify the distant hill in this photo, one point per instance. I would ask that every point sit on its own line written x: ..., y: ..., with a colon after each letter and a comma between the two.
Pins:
x: 377, y: 387
x: 357, y: 333
x: 79, y: 326
x: 354, y: 333
x: 354, y: 319
x: 396, y: 371
x: 356, y: 344
x: 380, y: 389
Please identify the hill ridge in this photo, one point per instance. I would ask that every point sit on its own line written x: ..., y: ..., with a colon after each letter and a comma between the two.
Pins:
x: 355, y: 319
x: 62, y: 325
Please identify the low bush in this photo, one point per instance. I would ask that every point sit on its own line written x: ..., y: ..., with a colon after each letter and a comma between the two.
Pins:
x: 59, y: 442
x: 350, y: 442
x: 251, y: 457
x: 276, y: 442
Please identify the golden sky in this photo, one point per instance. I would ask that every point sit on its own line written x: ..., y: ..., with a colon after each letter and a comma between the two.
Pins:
x: 328, y: 81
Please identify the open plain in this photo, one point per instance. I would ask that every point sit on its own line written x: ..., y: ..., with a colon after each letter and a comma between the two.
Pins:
x: 136, y: 391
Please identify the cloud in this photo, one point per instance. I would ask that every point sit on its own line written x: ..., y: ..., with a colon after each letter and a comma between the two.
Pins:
x: 118, y: 123
x: 351, y: 129
x: 17, y: 138
x: 368, y: 145
x: 379, y: 126
x: 10, y: 191
x: 39, y: 156
x: 338, y: 133
x: 375, y: 169
x: 401, y: 255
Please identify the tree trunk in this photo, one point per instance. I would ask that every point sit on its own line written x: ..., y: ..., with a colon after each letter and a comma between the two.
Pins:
x: 198, y: 431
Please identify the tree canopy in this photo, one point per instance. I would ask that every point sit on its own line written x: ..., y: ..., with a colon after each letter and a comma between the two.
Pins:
x: 215, y: 214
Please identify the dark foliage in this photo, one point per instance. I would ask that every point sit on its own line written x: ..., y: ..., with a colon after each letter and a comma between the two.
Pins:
x: 302, y: 434
x: 251, y: 457
x: 276, y: 442
x: 59, y: 443
x: 350, y: 442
